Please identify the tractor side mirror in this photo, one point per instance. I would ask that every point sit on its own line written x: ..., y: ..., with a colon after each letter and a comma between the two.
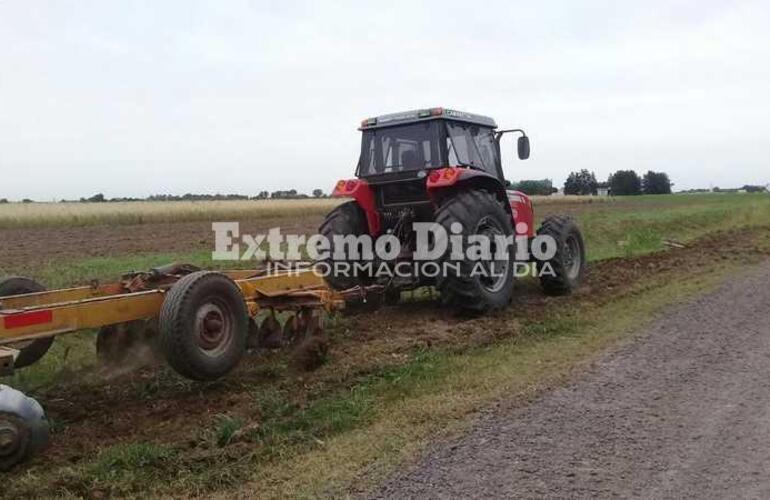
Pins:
x: 523, y: 146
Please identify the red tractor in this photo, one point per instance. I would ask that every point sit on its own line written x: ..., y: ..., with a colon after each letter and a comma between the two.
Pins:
x: 443, y: 166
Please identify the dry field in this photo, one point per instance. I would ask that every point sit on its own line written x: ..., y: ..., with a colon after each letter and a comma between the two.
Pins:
x: 21, y: 215
x: 25, y: 215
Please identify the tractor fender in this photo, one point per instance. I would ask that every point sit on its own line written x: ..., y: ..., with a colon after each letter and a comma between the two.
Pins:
x: 517, y: 204
x: 523, y: 213
x: 363, y: 194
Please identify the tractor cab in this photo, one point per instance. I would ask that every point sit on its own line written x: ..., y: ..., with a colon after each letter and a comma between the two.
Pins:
x: 418, y: 141
x: 408, y: 160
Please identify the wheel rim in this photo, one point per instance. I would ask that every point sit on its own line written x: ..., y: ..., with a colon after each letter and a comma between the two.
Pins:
x: 214, y: 328
x: 12, y: 439
x: 573, y: 257
x: 495, y: 275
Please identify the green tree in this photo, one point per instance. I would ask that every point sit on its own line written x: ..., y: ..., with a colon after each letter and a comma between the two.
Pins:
x: 656, y: 183
x: 581, y: 183
x: 317, y: 193
x: 625, y: 182
x: 542, y: 187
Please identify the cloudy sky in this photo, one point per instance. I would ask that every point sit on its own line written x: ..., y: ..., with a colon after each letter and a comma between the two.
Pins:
x: 132, y: 98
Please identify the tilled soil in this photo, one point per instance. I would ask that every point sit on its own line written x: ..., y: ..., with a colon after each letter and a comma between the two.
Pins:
x: 683, y: 410
x: 30, y: 248
x: 27, y: 249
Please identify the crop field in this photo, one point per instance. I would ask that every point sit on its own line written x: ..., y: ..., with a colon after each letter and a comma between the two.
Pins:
x: 394, y: 379
x: 25, y: 215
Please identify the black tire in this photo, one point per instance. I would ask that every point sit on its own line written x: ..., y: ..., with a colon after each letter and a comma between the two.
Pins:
x: 479, y: 212
x: 346, y: 219
x: 17, y: 449
x: 569, y: 262
x: 29, y: 352
x: 203, y: 325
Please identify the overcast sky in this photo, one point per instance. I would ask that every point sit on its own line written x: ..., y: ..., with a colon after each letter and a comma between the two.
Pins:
x: 132, y: 98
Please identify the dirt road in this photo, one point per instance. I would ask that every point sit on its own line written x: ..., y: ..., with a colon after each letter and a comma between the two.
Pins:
x: 683, y: 410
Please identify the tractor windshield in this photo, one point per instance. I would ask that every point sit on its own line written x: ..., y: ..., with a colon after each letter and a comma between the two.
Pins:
x: 472, y: 146
x: 400, y: 148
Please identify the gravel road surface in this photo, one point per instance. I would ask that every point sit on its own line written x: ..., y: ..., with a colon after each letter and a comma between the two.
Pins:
x: 681, y: 411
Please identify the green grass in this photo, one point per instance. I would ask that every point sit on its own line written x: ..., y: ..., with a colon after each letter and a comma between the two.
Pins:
x: 639, y: 225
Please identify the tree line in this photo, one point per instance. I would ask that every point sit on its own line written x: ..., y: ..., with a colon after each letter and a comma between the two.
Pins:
x: 291, y: 194
x: 620, y: 183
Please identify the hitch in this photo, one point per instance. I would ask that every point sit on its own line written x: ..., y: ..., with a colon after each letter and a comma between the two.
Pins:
x: 7, y: 358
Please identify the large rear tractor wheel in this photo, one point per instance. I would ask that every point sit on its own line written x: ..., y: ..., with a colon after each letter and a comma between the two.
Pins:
x: 204, y: 325
x: 346, y: 220
x: 30, y: 351
x: 562, y: 274
x: 486, y: 283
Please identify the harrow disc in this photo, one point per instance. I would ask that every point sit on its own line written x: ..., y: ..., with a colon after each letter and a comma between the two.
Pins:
x: 252, y: 340
x: 270, y: 332
x: 126, y: 343
x: 311, y: 350
x: 296, y: 328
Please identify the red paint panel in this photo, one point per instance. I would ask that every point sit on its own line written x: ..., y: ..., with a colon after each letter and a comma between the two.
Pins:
x: 523, y: 213
x: 28, y: 319
x: 360, y: 191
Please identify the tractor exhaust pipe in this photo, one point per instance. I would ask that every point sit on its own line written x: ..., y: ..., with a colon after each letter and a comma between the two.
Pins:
x: 24, y: 430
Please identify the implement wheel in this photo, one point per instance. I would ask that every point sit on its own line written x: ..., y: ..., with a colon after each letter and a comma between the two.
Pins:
x: 24, y: 429
x: 204, y: 325
x: 32, y: 350
x: 14, y: 440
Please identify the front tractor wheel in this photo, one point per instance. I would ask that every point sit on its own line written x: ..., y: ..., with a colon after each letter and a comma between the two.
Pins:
x: 486, y: 283
x: 204, y: 326
x: 562, y: 273
x: 346, y: 220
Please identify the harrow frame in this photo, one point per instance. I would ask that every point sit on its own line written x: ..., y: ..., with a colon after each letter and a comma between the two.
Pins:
x: 140, y: 296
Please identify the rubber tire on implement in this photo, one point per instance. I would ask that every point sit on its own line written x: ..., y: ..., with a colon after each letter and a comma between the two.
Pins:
x: 18, y: 450
x: 469, y: 208
x: 36, y: 349
x: 567, y: 273
x: 180, y: 325
x: 346, y: 219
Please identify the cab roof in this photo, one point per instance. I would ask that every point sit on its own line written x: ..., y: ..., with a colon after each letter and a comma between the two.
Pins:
x: 419, y: 115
